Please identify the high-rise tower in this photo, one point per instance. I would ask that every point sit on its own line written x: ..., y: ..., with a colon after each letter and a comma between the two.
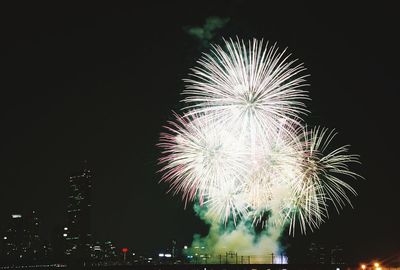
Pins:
x: 77, y: 232
x: 21, y: 242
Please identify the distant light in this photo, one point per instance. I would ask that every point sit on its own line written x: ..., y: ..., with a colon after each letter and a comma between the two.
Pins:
x: 363, y: 266
x: 16, y: 216
x: 65, y: 228
x: 376, y: 264
x: 133, y: 254
x: 161, y: 255
x: 150, y: 259
x: 337, y: 268
x: 168, y: 255
x: 65, y: 235
x: 282, y: 259
x: 185, y: 247
x: 5, y: 238
x: 378, y: 268
x: 124, y: 250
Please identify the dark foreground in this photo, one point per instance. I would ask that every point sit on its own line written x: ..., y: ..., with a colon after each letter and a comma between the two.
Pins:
x: 201, y: 267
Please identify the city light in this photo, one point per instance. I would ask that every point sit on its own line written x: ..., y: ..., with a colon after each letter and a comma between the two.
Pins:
x: 376, y: 265
x: 161, y: 255
x: 124, y: 250
x: 363, y: 266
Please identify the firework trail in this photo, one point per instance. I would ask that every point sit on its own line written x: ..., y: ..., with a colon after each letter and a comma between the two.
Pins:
x: 240, y: 146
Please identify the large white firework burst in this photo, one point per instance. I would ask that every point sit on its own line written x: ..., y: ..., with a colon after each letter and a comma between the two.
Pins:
x: 254, y: 87
x: 240, y: 146
x: 201, y: 157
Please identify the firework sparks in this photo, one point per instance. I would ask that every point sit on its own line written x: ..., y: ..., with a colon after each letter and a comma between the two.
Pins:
x: 253, y: 87
x: 240, y: 147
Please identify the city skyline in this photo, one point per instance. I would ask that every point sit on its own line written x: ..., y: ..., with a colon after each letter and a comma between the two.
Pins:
x: 97, y: 83
x: 23, y: 241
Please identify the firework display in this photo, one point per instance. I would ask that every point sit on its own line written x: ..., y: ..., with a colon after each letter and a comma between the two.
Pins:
x: 241, y: 148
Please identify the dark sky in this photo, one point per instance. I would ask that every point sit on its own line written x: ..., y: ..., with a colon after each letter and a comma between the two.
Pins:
x: 98, y: 82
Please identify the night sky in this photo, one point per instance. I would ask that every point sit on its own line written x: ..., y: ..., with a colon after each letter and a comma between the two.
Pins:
x: 97, y: 83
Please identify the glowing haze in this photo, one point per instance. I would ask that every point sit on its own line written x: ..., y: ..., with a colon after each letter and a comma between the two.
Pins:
x: 241, y: 149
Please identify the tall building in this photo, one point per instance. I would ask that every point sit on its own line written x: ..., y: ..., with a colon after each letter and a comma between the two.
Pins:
x: 21, y: 242
x: 337, y: 255
x: 77, y: 231
x: 317, y: 254
x: 104, y: 253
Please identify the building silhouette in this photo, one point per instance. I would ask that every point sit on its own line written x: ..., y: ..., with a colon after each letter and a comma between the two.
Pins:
x: 317, y: 254
x: 337, y: 255
x: 77, y: 231
x: 21, y: 241
x: 104, y: 252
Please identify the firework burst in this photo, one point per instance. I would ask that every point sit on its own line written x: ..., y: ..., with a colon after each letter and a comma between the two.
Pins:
x: 253, y: 87
x: 240, y: 146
